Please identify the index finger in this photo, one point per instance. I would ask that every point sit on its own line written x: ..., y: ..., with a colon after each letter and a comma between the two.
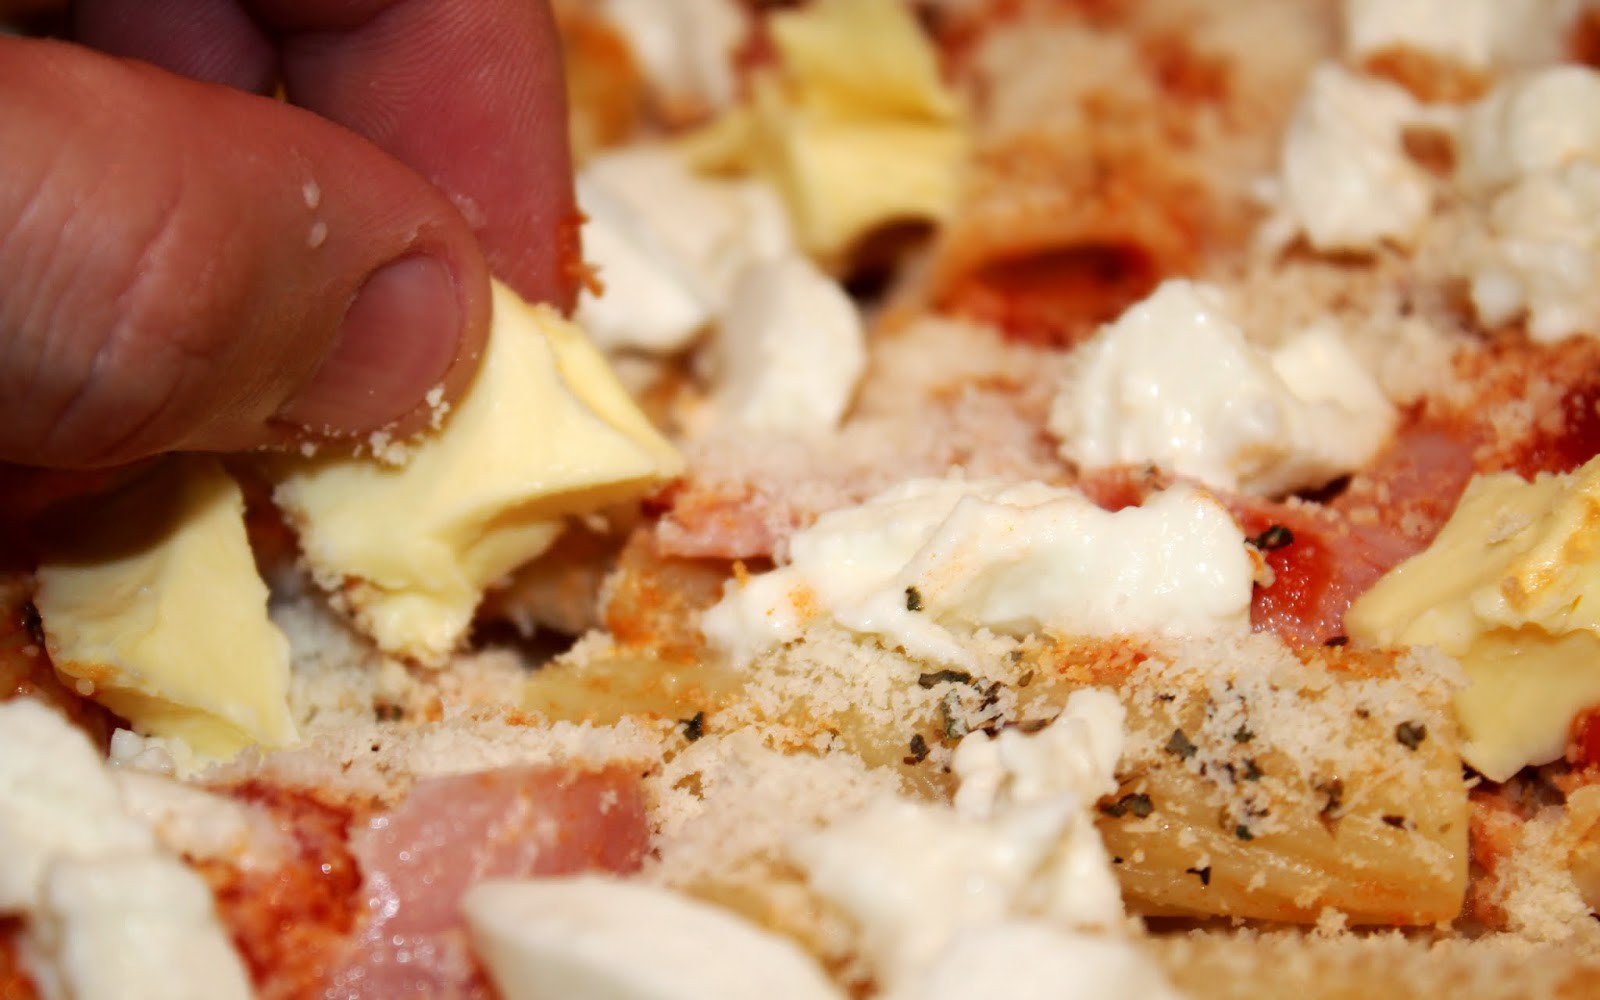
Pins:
x: 468, y: 93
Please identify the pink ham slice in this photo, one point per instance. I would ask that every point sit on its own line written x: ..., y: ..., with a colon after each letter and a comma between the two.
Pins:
x: 419, y: 857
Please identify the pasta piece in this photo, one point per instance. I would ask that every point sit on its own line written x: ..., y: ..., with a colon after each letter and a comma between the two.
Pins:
x: 1059, y: 233
x: 1255, y: 784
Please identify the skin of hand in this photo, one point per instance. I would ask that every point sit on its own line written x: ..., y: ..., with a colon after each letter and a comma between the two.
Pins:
x: 189, y: 263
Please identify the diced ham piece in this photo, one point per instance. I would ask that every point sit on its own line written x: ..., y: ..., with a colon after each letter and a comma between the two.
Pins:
x: 448, y: 833
x: 1316, y: 577
x: 1413, y: 485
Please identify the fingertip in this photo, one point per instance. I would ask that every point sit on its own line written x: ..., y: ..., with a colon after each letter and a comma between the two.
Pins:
x: 408, y: 339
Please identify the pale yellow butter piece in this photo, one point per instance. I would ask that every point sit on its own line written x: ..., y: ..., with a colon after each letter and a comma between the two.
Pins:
x: 155, y: 607
x: 854, y: 127
x: 1511, y: 588
x: 545, y: 431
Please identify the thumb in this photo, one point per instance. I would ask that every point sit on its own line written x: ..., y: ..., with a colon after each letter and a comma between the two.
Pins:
x: 184, y: 266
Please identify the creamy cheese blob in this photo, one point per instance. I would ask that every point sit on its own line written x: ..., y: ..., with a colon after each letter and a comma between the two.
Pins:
x: 932, y: 559
x: 1460, y: 30
x: 545, y: 431
x: 107, y: 916
x: 56, y: 801
x: 789, y: 352
x: 1475, y: 34
x: 685, y: 47
x: 1032, y: 960
x: 1018, y: 859
x: 1544, y: 254
x: 680, y: 254
x: 1075, y: 754
x: 155, y: 607
x: 1074, y: 757
x: 1537, y: 123
x: 140, y: 927
x: 916, y: 876
x: 668, y: 246
x: 1511, y: 589
x: 590, y: 937
x: 1531, y: 152
x: 1347, y: 181
x: 1173, y: 382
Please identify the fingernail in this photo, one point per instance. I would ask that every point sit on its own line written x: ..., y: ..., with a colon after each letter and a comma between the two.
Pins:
x: 398, y: 339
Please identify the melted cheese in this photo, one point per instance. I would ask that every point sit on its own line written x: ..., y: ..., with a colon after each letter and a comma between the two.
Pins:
x: 1511, y: 588
x: 155, y: 608
x: 931, y: 560
x: 854, y: 127
x: 545, y: 432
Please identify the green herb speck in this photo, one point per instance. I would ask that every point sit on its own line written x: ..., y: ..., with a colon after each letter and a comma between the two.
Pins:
x: 1410, y: 734
x: 1180, y: 746
x: 694, y: 727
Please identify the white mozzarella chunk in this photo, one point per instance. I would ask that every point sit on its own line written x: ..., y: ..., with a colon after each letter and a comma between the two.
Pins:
x: 1173, y: 382
x: 595, y: 938
x: 1540, y: 123
x: 650, y: 300
x: 1076, y: 754
x: 1032, y: 960
x: 1019, y: 852
x: 56, y: 801
x: 133, y: 927
x: 107, y: 916
x: 1348, y: 183
x: 790, y: 350
x: 916, y: 876
x: 1544, y: 255
x: 1530, y: 152
x: 930, y: 560
x: 1460, y: 30
x: 685, y: 47
x: 668, y: 245
x: 1476, y: 34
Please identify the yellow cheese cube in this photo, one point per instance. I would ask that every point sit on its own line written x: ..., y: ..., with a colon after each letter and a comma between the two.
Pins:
x: 1511, y: 588
x: 545, y: 431
x: 854, y: 128
x: 156, y: 609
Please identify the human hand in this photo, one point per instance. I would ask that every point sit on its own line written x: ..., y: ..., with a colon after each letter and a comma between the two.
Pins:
x: 188, y: 265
